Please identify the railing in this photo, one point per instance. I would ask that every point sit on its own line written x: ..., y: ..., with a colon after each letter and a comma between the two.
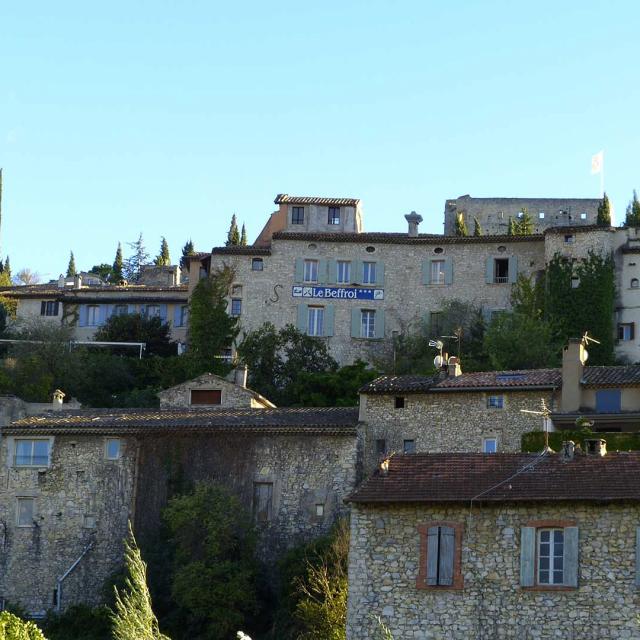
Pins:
x: 501, y: 279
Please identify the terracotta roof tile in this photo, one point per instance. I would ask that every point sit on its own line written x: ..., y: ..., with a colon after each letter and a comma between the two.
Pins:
x: 285, y: 198
x: 628, y: 375
x: 248, y: 250
x: 507, y: 477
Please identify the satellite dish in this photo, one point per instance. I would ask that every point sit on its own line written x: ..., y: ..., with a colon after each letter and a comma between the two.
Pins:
x: 438, y: 361
x: 585, y: 356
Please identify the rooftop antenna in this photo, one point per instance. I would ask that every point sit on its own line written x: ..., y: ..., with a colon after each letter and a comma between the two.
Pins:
x: 586, y: 339
x: 546, y: 419
x: 457, y: 335
x: 438, y: 361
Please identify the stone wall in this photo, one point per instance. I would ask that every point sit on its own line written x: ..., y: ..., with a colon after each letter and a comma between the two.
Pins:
x: 455, y: 422
x: 81, y: 499
x: 384, y: 560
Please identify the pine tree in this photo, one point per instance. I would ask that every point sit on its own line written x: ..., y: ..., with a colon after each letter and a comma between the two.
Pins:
x: 524, y: 226
x: 461, y: 225
x: 133, y: 618
x: 118, y: 273
x: 71, y: 268
x: 243, y: 236
x: 5, y: 275
x: 187, y: 251
x: 512, y: 227
x: 132, y: 266
x: 604, y: 212
x: 163, y: 259
x: 233, y: 236
x: 477, y: 229
x: 633, y: 212
x: 7, y: 267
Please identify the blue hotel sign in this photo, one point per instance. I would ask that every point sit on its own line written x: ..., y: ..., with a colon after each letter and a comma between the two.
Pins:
x: 338, y: 293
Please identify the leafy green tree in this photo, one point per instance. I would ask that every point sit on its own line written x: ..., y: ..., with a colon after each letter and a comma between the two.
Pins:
x: 233, y: 235
x: 477, y: 229
x: 137, y: 327
x: 214, y: 569
x: 243, y: 236
x: 71, y: 267
x: 13, y: 628
x: 104, y: 270
x: 604, y: 212
x: 633, y: 212
x: 187, y: 251
x: 461, y: 225
x: 132, y: 266
x: 163, y: 259
x: 211, y: 328
x: 133, y: 618
x: 118, y: 265
x: 527, y: 296
x: 79, y: 623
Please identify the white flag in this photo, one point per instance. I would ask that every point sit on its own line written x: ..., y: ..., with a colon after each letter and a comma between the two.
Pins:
x: 596, y: 163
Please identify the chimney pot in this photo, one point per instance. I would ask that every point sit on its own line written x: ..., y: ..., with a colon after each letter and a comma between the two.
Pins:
x: 241, y: 374
x: 61, y: 282
x: 77, y: 281
x: 596, y: 447
x: 58, y: 399
x: 568, y: 450
x: 414, y: 219
x: 453, y: 367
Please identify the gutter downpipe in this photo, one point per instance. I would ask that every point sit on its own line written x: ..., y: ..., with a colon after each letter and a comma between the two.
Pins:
x: 65, y: 576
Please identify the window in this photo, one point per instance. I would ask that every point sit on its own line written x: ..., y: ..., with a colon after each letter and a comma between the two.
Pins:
x: 608, y: 400
x: 435, y: 321
x: 501, y: 270
x: 319, y: 510
x: 575, y: 282
x: 495, y: 402
x: 409, y: 446
x: 489, y: 445
x: 184, y: 315
x: 49, y: 308
x: 31, y: 453
x: 310, y: 273
x: 334, y: 215
x: 381, y: 446
x: 297, y: 215
x: 315, y: 321
x: 25, y: 512
x: 437, y: 272
x: 440, y: 556
x: 93, y: 315
x: 206, y: 396
x: 257, y: 264
x: 236, y: 307
x: 262, y: 501
x: 152, y: 311
x: 583, y: 216
x: 549, y: 554
x: 112, y: 448
x: 343, y: 272
x: 368, y: 324
x: 635, y: 283
x: 399, y: 402
x: 368, y: 273
x: 569, y: 239
x: 541, y: 215
x: 626, y: 331
x: 120, y: 310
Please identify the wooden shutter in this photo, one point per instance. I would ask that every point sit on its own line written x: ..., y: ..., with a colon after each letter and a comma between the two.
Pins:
x: 433, y: 552
x: 56, y: 309
x: 571, y: 556
x: 43, y: 308
x: 262, y: 500
x: 380, y: 274
x: 358, y: 272
x: 527, y: 556
x: 379, y: 323
x: 102, y: 314
x: 322, y: 271
x: 329, y: 315
x: 489, y: 271
x: 448, y: 271
x: 513, y: 269
x: 426, y: 272
x: 163, y: 313
x: 302, y: 318
x: 638, y: 557
x: 355, y: 323
x: 331, y: 271
x: 177, y: 316
x: 445, y: 560
x: 299, y: 270
x: 82, y: 319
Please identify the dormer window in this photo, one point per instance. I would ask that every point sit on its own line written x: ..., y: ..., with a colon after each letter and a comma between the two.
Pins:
x: 334, y: 215
x: 297, y: 215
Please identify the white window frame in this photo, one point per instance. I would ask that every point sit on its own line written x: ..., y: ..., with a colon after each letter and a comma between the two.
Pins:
x: 367, y: 323
x: 19, y: 500
x: 93, y: 315
x: 486, y: 441
x: 624, y: 328
x: 541, y: 215
x: 495, y: 401
x: 583, y: 216
x: 368, y: 273
x: 32, y: 457
x: 310, y: 271
x: 343, y: 272
x: 437, y: 271
x: 315, y: 321
x: 551, y: 557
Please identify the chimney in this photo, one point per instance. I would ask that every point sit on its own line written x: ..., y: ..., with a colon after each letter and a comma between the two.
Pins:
x: 453, y: 367
x: 384, y: 466
x: 596, y: 447
x: 77, y: 281
x: 414, y: 219
x: 568, y: 450
x: 58, y: 399
x: 61, y: 282
x: 240, y: 375
x: 574, y: 355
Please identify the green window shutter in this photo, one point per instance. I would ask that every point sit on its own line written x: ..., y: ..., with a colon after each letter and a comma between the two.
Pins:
x: 571, y: 556
x: 379, y: 323
x: 426, y: 272
x: 527, y: 556
x: 357, y: 276
x: 322, y: 271
x: 513, y: 269
x: 329, y: 319
x: 447, y: 548
x: 302, y: 320
x: 331, y: 271
x: 448, y: 271
x: 638, y: 557
x: 433, y: 552
x: 489, y: 271
x: 355, y: 323
x: 380, y: 274
x: 299, y: 270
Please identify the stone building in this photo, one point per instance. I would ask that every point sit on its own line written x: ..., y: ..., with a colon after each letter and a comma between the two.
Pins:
x: 519, y: 546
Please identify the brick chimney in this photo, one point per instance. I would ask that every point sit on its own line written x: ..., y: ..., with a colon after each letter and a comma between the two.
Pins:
x: 414, y: 219
x: 574, y: 356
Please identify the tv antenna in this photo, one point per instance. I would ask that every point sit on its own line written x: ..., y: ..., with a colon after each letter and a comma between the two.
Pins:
x: 586, y: 339
x: 438, y: 361
x: 457, y: 335
x: 546, y: 420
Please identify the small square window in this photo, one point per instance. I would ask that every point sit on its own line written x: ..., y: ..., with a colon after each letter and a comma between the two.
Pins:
x: 399, y: 402
x: 25, y: 512
x: 569, y: 239
x: 381, y: 446
x: 320, y: 510
x: 626, y: 331
x: 297, y: 215
x: 489, y: 445
x: 112, y: 448
x: 541, y: 215
x: 583, y: 216
x: 495, y: 402
x: 409, y: 446
x: 257, y: 264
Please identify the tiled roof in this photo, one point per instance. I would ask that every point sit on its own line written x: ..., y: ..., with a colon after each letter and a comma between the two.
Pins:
x: 248, y: 250
x: 285, y: 198
x: 400, y: 384
x: 42, y: 290
x: 504, y: 477
x: 584, y: 228
x: 628, y: 375
x: 402, y: 238
x: 148, y: 421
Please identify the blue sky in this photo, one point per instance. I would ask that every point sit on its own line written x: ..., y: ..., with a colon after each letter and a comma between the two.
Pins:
x: 165, y: 118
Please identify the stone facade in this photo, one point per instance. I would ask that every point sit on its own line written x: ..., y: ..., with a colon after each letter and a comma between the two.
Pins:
x: 384, y: 561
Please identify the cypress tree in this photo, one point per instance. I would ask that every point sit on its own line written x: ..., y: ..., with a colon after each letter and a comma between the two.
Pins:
x: 524, y: 226
x: 243, y: 236
x: 512, y: 227
x: 7, y: 267
x: 477, y: 229
x: 163, y: 259
x: 187, y: 251
x: 633, y: 212
x: 132, y: 266
x: 604, y: 212
x: 233, y: 236
x: 461, y: 225
x: 71, y: 268
x: 117, y: 265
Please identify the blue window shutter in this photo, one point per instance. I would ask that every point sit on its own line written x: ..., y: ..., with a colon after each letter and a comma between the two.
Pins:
x: 177, y: 315
x: 380, y: 274
x: 110, y: 308
x: 329, y: 319
x: 608, y: 401
x: 82, y: 318
x: 331, y: 271
x: 355, y: 323
x: 433, y: 552
x: 163, y: 312
x: 302, y: 319
x: 426, y: 272
x: 299, y: 270
x: 322, y: 271
x: 43, y: 308
x: 357, y: 276
x: 638, y: 557
x: 513, y: 269
x: 571, y: 556
x: 379, y: 323
x: 527, y: 556
x: 102, y: 314
x: 448, y: 271
x: 131, y: 308
x: 489, y: 272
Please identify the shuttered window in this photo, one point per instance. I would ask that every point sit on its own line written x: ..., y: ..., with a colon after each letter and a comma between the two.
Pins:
x: 262, y: 501
x: 549, y: 556
x: 206, y: 396
x: 440, y: 556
